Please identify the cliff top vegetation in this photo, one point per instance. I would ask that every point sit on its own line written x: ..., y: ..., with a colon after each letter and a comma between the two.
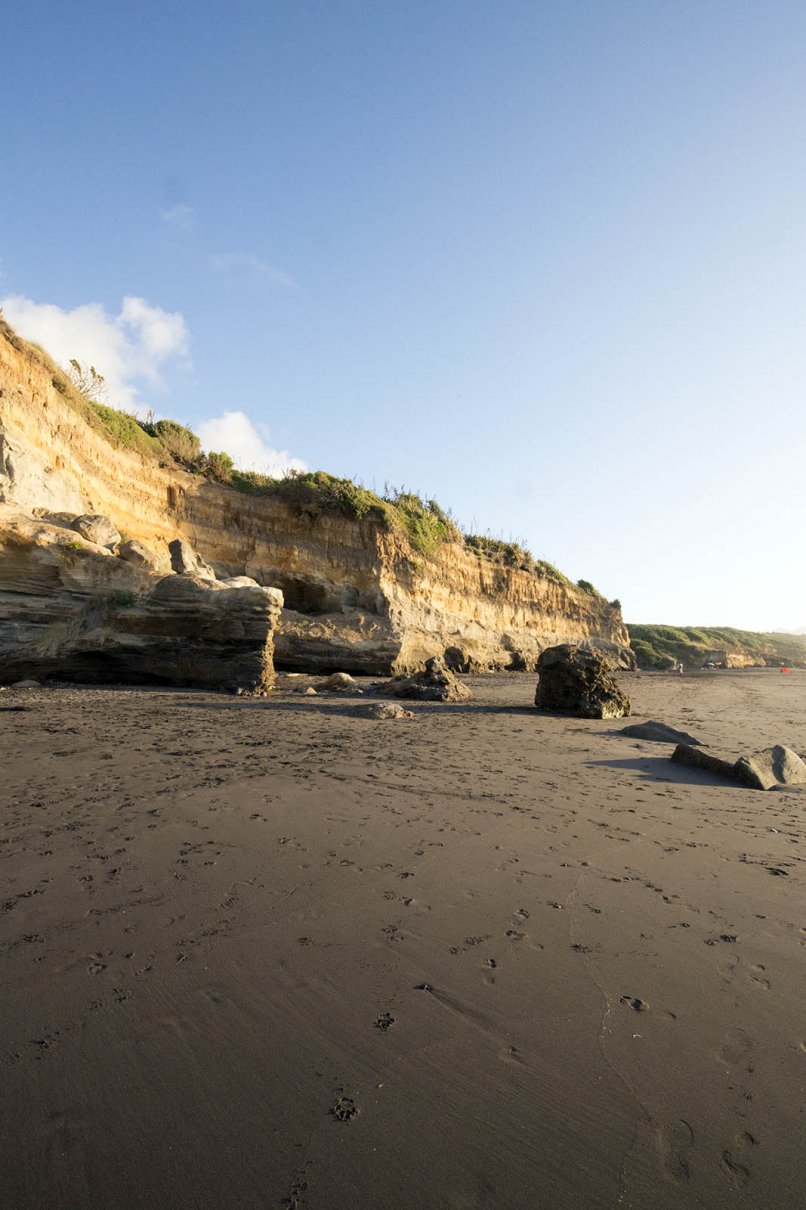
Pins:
x: 425, y: 524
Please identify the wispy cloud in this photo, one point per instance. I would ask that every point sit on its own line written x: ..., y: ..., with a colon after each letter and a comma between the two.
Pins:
x: 247, y: 262
x: 130, y: 349
x: 247, y: 443
x: 183, y: 218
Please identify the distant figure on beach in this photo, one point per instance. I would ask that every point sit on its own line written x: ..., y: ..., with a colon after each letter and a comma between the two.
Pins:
x: 679, y: 667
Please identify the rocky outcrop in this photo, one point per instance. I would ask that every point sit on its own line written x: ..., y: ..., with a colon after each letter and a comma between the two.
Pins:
x: 435, y: 683
x: 71, y: 610
x: 358, y: 597
x: 573, y: 680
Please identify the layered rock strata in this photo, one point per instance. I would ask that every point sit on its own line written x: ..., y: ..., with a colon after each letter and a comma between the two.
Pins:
x: 71, y: 610
x: 358, y: 597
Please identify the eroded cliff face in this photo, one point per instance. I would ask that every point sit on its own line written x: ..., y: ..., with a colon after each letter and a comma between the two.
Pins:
x: 72, y: 610
x: 358, y: 597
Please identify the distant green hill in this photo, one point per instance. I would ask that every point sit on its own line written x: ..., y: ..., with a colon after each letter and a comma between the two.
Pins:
x: 663, y: 646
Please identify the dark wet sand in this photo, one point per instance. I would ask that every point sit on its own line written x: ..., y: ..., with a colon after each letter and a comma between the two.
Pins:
x: 594, y: 961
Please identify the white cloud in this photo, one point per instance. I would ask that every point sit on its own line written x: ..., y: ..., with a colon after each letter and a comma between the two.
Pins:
x: 129, y: 349
x: 183, y: 218
x: 247, y: 444
x: 230, y: 262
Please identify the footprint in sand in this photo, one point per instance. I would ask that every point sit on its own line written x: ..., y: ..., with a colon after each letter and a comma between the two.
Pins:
x: 513, y: 1055
x: 674, y: 1144
x: 739, y: 1173
x: 639, y: 1006
x: 758, y: 975
x: 736, y: 1049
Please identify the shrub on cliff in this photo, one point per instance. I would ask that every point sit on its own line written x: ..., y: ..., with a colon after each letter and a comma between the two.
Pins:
x: 425, y: 524
x: 219, y: 466
x: 586, y: 586
x: 181, y: 443
x: 504, y: 554
x: 123, y: 428
x: 312, y: 489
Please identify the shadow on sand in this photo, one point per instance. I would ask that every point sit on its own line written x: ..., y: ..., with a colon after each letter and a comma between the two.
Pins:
x: 661, y: 768
x: 348, y: 706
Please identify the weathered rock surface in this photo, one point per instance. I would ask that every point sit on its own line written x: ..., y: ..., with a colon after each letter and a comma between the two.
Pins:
x: 776, y: 766
x: 70, y: 610
x: 659, y: 733
x: 759, y: 770
x: 435, y: 684
x: 358, y: 596
x: 135, y: 552
x: 186, y: 562
x: 97, y: 529
x: 573, y: 680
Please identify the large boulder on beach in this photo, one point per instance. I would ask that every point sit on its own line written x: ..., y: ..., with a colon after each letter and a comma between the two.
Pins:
x: 776, y: 766
x: 435, y: 683
x: 574, y: 680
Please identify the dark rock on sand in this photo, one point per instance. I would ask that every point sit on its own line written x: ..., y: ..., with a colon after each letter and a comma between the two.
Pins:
x: 435, y: 683
x: 573, y: 680
x: 701, y: 758
x: 776, y: 766
x: 659, y: 733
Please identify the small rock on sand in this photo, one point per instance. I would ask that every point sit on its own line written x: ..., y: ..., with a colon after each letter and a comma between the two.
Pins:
x: 435, y: 683
x: 339, y: 682
x: 383, y: 710
x: 659, y: 733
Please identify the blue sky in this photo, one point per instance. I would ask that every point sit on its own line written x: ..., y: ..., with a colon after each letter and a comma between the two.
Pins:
x: 543, y: 261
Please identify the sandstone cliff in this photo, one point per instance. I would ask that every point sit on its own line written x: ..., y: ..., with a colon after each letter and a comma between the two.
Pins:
x: 71, y: 610
x: 358, y: 596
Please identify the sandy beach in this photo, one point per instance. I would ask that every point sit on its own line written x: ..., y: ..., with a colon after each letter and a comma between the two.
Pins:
x: 267, y: 953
